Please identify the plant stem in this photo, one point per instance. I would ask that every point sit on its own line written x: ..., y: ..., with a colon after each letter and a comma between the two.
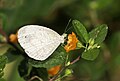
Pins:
x: 35, y: 77
x: 74, y: 61
x: 56, y: 76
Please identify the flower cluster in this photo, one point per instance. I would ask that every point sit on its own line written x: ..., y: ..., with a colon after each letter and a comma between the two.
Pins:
x: 13, y: 38
x: 71, y: 43
x: 54, y: 70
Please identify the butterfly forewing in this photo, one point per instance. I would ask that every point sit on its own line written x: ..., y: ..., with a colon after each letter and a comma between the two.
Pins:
x: 38, y: 42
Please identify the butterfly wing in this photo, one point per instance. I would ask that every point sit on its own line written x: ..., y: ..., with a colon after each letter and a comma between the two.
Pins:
x: 38, y: 42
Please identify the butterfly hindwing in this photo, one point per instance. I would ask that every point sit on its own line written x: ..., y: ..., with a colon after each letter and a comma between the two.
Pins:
x: 38, y: 42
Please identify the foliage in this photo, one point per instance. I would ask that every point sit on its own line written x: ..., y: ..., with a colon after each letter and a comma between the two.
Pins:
x: 57, y: 58
x: 3, y: 61
x: 80, y: 30
x: 92, y: 60
x: 90, y: 52
x: 92, y: 39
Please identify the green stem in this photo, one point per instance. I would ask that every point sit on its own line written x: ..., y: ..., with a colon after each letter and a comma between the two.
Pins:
x: 61, y: 77
x: 66, y: 59
x: 56, y: 76
x: 29, y: 70
x: 35, y: 77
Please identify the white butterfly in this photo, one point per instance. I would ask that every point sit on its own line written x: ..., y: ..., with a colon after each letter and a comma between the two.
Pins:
x: 39, y: 42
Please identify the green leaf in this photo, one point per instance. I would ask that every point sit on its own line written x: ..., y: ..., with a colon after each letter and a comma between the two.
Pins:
x: 41, y: 72
x: 2, y: 39
x: 4, y: 48
x: 90, y: 54
x: 2, y: 79
x: 11, y: 70
x: 57, y: 58
x: 80, y: 30
x: 1, y: 74
x: 99, y: 33
x: 23, y: 68
x: 3, y: 61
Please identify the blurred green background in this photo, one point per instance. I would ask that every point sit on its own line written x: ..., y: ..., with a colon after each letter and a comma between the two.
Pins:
x: 55, y: 14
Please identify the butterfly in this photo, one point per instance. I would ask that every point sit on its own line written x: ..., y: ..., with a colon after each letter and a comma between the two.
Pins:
x: 39, y: 42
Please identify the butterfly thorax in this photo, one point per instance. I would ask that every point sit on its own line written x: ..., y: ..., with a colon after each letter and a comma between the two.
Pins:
x: 63, y: 37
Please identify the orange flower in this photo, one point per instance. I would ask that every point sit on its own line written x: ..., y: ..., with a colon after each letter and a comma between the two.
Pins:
x: 54, y: 70
x: 71, y: 43
x: 13, y: 38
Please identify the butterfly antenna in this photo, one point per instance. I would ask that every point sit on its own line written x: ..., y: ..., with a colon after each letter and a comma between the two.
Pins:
x: 67, y: 26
